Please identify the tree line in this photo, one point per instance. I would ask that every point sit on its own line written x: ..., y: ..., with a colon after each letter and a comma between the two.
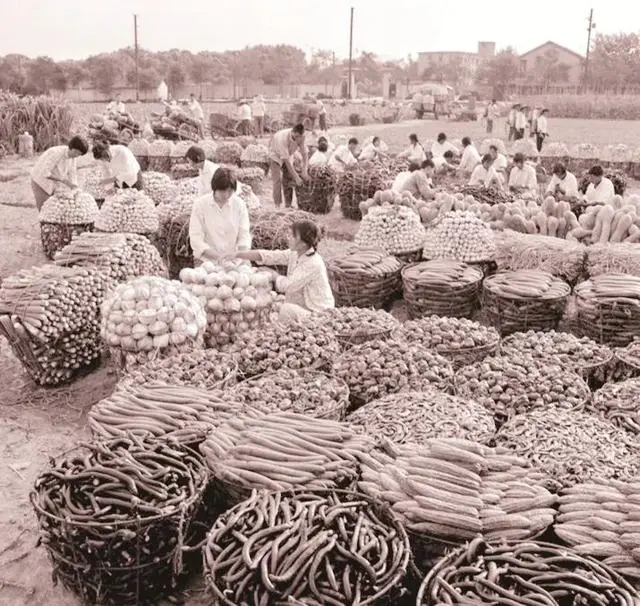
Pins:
x: 614, y: 66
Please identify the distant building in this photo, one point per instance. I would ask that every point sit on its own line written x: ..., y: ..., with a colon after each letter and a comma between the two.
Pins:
x: 550, y: 68
x: 455, y: 67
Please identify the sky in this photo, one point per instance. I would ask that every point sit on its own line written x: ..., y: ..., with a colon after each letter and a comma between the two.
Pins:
x: 75, y: 29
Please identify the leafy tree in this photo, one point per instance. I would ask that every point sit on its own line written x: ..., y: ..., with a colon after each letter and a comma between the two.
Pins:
x: 499, y: 72
x: 176, y: 77
x: 103, y: 70
x: 614, y: 62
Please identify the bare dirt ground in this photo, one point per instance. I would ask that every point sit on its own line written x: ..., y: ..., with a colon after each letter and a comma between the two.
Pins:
x: 37, y: 423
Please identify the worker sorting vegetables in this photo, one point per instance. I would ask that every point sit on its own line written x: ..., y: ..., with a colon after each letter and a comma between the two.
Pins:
x: 122, y: 166
x: 306, y: 285
x: 56, y: 166
x: 219, y: 223
x: 206, y: 169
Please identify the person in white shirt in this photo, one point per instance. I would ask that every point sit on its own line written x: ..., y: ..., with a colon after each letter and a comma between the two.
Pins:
x: 511, y: 122
x: 415, y: 153
x: 123, y: 168
x: 441, y: 146
x: 522, y: 178
x: 520, y: 123
x: 322, y: 115
x: 56, y: 166
x: 219, y: 223
x: 244, y: 113
x: 116, y: 105
x: 500, y: 162
x: 419, y: 182
x: 485, y: 175
x: 470, y: 157
x: 282, y: 146
x: 492, y: 115
x: 321, y: 156
x: 541, y: 129
x: 306, y: 286
x: 345, y: 156
x: 206, y: 169
x: 258, y: 109
x: 195, y: 109
x: 563, y: 185
x: 600, y: 189
x: 372, y: 151
x: 444, y: 164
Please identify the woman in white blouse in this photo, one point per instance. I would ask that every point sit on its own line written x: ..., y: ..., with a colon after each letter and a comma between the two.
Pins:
x: 415, y: 152
x: 306, y: 285
x: 122, y: 166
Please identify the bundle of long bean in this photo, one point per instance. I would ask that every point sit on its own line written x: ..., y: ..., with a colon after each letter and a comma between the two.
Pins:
x: 509, y: 385
x: 377, y: 368
x: 571, y: 446
x: 416, y: 417
x: 283, y: 450
x: 172, y: 237
x: 319, y: 549
x: 123, y: 256
x: 128, y: 210
x: 453, y: 490
x: 296, y: 345
x: 114, y: 517
x: 158, y: 409
x: 301, y: 391
x: 206, y: 369
x: 618, y: 402
x: 51, y: 318
x: 602, y: 519
x: 524, y: 574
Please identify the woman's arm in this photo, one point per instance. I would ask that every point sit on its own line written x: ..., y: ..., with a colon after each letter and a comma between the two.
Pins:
x: 196, y: 233
x: 244, y: 234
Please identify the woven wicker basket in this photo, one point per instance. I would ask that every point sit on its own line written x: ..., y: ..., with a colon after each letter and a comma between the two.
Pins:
x: 353, y: 289
x: 424, y: 299
x: 469, y: 355
x: 33, y: 354
x: 409, y: 257
x: 519, y: 314
x: 155, y: 543
x: 613, y: 323
x: 392, y: 593
x: 56, y: 236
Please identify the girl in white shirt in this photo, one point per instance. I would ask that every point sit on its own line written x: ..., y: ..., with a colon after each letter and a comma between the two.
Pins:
x: 441, y: 146
x: 306, y: 286
x: 321, y: 156
x: 123, y: 168
x: 415, y: 152
x: 542, y: 131
x: 206, y: 169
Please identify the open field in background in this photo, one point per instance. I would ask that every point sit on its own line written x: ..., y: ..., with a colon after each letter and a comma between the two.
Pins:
x: 38, y: 423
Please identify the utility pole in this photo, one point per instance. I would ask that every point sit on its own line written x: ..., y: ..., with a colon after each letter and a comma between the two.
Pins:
x: 135, y: 46
x: 591, y: 27
x: 350, y: 56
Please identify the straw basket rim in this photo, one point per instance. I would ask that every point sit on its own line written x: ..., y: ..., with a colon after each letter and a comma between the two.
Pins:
x: 140, y: 519
x: 377, y: 505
